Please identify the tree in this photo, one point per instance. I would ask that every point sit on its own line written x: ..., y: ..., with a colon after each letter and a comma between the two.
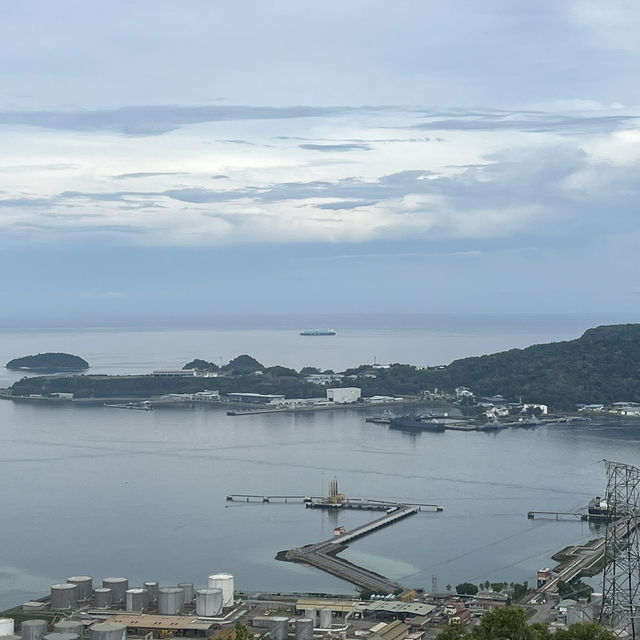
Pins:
x: 574, y: 589
x: 539, y: 631
x: 453, y: 632
x: 520, y: 590
x: 584, y: 631
x: 448, y: 588
x: 466, y: 589
x: 241, y: 632
x: 504, y: 623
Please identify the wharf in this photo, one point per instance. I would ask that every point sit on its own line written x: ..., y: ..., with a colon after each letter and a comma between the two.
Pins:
x: 323, y: 555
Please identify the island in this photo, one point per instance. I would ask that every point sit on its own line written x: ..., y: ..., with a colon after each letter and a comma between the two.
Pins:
x: 50, y: 362
x: 598, y: 368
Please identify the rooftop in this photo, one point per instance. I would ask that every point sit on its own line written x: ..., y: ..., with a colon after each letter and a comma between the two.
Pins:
x: 148, y: 621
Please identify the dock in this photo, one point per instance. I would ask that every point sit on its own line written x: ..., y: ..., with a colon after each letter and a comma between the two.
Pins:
x: 323, y: 555
x: 557, y: 515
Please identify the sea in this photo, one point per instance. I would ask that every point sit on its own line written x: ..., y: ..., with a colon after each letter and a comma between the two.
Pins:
x: 107, y: 492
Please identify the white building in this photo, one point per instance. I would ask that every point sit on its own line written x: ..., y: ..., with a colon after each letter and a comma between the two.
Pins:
x: 323, y: 378
x: 543, y: 407
x: 344, y: 395
x: 463, y: 392
x: 174, y: 373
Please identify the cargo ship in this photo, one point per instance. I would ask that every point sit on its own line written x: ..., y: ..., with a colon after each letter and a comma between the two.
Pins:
x: 415, y: 423
x: 318, y: 332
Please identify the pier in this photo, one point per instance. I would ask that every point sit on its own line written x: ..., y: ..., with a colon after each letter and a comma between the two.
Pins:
x: 323, y: 555
x: 557, y: 515
x: 255, y: 497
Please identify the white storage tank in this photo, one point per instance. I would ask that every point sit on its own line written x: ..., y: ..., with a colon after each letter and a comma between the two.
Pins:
x: 188, y: 591
x: 223, y: 581
x: 64, y: 597
x: 304, y: 629
x: 69, y: 626
x: 60, y: 636
x: 102, y: 598
x: 311, y: 613
x: 209, y: 602
x: 325, y: 618
x: 85, y: 586
x: 170, y: 601
x: 33, y: 629
x: 137, y: 599
x: 7, y: 626
x: 118, y: 588
x: 152, y: 587
x: 279, y: 628
x: 107, y: 631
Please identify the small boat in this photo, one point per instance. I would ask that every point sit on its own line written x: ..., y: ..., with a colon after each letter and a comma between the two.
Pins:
x: 318, y: 332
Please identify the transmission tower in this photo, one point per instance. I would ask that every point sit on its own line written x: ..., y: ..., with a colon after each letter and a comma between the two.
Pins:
x: 621, y: 576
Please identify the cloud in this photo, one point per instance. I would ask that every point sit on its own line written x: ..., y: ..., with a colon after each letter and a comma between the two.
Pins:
x: 481, y: 183
x: 529, y: 121
x: 155, y: 120
x: 336, y: 147
x: 345, y: 204
x: 149, y: 174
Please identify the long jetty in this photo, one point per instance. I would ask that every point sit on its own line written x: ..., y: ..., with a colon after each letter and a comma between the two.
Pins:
x: 323, y: 555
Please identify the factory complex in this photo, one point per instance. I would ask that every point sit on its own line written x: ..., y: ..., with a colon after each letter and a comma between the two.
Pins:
x: 114, y: 610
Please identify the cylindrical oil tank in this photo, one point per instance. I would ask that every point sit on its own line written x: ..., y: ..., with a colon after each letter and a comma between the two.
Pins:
x: 170, y: 601
x: 69, y: 626
x: 325, y: 618
x: 64, y: 596
x: 188, y: 591
x: 118, y: 588
x: 137, y: 599
x: 85, y: 586
x: 60, y: 636
x: 102, y: 598
x: 107, y: 631
x: 311, y: 613
x: 223, y: 581
x: 278, y: 628
x: 209, y: 602
x: 152, y: 587
x: 33, y: 629
x: 7, y: 626
x: 304, y: 629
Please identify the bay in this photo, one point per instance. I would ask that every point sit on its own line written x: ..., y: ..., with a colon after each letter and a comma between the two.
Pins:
x: 103, y: 492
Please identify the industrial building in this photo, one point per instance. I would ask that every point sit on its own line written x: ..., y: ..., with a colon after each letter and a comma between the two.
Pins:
x: 344, y: 395
x: 174, y: 373
x: 255, y: 398
x: 111, y: 611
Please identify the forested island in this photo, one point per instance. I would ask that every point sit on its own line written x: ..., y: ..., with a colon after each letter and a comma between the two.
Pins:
x: 49, y: 362
x: 602, y: 366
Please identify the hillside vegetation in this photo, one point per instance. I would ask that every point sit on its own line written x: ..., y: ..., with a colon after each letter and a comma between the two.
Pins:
x: 603, y: 365
x: 49, y: 362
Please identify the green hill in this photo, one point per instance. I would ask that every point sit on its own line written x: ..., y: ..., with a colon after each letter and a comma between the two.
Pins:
x: 49, y: 362
x: 603, y: 365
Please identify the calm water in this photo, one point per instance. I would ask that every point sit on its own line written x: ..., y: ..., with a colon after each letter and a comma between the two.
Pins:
x: 106, y: 492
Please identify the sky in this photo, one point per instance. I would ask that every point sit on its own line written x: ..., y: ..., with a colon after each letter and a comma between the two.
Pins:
x: 165, y: 160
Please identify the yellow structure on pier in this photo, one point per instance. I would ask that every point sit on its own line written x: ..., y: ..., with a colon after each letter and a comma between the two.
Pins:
x: 335, y: 497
